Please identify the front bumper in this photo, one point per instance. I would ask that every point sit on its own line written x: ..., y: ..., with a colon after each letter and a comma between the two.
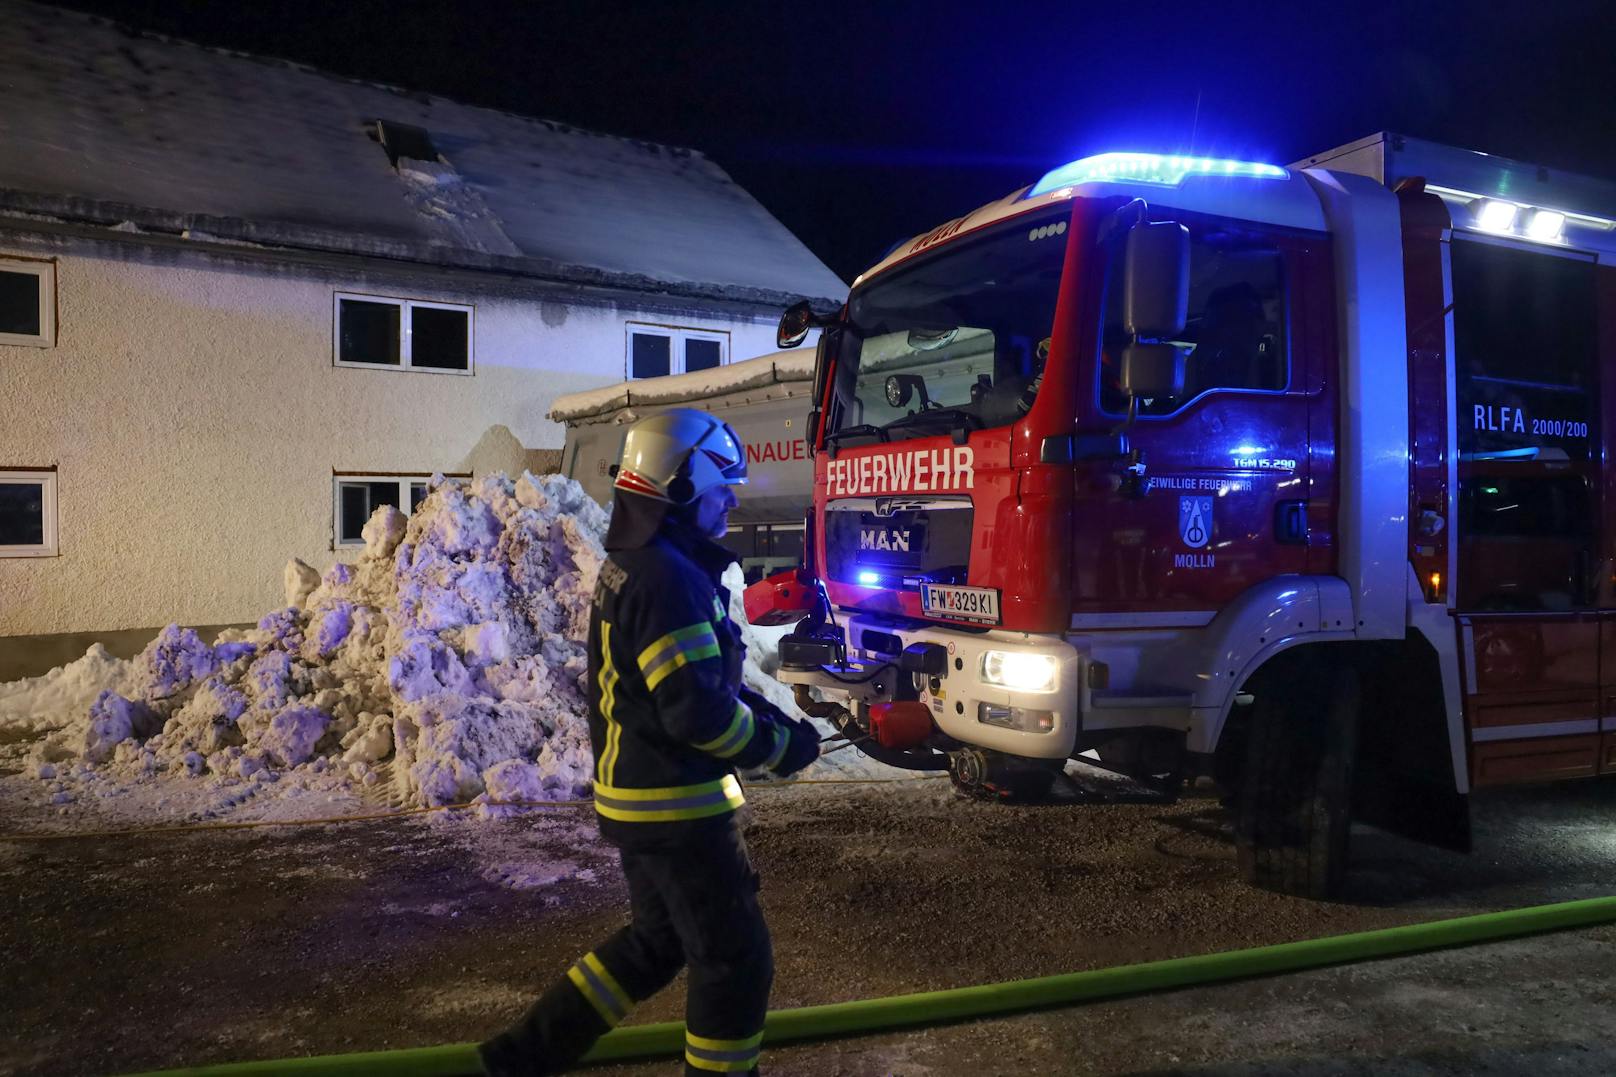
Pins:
x: 960, y: 699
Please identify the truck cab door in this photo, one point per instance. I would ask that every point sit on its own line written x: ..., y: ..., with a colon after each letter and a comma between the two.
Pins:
x: 1222, y: 497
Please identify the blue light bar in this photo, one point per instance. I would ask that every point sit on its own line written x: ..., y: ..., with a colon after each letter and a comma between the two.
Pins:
x: 869, y: 579
x: 1159, y: 168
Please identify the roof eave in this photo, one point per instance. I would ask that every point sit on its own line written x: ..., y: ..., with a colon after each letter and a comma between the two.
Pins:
x: 267, y: 238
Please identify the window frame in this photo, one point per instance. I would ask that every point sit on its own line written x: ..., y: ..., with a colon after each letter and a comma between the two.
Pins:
x: 405, y: 480
x: 1294, y: 384
x: 51, y: 546
x: 405, y: 332
x: 44, y: 270
x: 677, y: 336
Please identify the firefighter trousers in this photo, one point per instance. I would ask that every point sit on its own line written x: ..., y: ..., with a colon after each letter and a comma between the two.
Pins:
x: 694, y: 904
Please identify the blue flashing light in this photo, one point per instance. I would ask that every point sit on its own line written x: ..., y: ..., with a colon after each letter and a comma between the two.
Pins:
x: 868, y: 579
x: 1166, y: 170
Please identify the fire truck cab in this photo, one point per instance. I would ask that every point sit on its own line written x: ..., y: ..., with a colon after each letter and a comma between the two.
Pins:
x: 1290, y: 476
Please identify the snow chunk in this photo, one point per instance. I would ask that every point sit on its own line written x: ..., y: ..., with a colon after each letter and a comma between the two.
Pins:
x: 113, y: 720
x: 292, y: 734
x: 173, y: 661
x: 383, y: 531
x: 300, y: 580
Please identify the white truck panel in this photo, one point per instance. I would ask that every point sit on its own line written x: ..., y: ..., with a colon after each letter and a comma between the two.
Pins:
x: 1372, y: 443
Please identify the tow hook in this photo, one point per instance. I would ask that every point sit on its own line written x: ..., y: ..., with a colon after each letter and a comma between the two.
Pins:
x: 845, y: 723
x: 990, y: 775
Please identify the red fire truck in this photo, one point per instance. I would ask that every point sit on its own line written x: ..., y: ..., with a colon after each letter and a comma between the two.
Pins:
x: 1288, y: 476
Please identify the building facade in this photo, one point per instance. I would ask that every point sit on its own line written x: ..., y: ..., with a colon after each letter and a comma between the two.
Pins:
x: 217, y: 353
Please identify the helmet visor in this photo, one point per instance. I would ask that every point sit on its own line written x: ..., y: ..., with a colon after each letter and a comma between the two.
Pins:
x: 723, y: 447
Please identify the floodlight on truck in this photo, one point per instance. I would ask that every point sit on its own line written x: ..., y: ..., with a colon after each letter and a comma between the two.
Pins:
x: 1496, y: 216
x: 1460, y: 196
x: 1545, y: 225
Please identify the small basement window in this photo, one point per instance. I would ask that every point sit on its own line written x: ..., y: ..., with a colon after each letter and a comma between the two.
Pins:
x: 28, y: 514
x: 656, y: 350
x: 402, y: 334
x: 356, y: 497
x: 27, y: 303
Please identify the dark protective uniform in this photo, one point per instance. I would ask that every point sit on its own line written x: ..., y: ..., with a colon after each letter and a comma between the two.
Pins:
x: 669, y: 723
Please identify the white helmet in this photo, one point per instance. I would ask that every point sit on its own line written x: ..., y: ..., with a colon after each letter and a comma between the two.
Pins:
x: 678, y: 455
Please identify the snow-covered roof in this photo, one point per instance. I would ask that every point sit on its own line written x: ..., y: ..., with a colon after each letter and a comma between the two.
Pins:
x: 104, y: 125
x: 772, y: 369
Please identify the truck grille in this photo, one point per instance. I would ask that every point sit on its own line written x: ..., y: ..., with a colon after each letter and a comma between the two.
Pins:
x: 898, y: 542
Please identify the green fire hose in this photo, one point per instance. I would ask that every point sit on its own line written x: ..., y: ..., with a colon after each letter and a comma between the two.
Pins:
x: 666, y: 1040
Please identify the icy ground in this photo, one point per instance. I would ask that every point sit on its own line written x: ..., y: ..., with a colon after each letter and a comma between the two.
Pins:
x: 447, y: 665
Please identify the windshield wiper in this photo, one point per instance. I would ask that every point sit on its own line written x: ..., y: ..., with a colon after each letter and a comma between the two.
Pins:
x: 952, y: 415
x: 858, y: 430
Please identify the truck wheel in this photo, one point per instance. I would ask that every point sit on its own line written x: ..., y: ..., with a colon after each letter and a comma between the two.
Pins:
x: 988, y: 775
x: 1294, y: 814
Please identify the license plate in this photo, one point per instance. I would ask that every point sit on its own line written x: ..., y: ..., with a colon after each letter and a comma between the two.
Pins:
x: 961, y: 603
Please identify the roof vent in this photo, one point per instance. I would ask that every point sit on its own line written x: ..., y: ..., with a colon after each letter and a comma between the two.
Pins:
x: 403, y: 140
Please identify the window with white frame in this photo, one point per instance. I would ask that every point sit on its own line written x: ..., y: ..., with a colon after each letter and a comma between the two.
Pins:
x: 402, y: 334
x: 655, y: 350
x: 27, y: 513
x: 27, y: 302
x: 355, y: 497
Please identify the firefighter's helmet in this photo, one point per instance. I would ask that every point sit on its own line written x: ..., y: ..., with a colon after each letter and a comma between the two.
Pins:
x: 678, y: 455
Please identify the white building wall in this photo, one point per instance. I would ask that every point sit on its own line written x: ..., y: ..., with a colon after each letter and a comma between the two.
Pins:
x: 195, y: 418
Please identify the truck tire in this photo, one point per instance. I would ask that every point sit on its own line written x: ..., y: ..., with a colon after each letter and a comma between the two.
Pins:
x: 1294, y: 815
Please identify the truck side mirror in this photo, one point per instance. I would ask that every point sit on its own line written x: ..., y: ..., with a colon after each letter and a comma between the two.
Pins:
x: 794, y: 325
x: 1152, y: 371
x: 1156, y: 299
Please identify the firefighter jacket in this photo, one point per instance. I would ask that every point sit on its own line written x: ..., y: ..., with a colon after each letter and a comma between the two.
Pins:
x: 666, y: 719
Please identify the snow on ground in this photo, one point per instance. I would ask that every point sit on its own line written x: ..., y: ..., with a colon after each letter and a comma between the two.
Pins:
x: 447, y: 665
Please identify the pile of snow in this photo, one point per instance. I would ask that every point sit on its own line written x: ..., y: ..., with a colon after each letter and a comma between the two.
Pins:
x: 451, y: 656
x: 452, y: 649
x: 53, y: 700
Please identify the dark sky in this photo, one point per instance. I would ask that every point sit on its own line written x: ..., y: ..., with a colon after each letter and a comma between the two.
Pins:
x: 859, y: 124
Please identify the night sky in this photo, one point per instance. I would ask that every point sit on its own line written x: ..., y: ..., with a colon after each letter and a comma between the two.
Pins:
x: 860, y: 124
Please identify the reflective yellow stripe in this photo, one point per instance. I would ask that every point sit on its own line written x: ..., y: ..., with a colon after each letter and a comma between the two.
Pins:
x: 616, y: 989
x: 678, y: 648
x: 669, y: 804
x: 602, y: 1004
x: 722, y: 1056
x: 782, y: 739
x: 733, y: 739
x: 608, y: 703
x: 658, y: 646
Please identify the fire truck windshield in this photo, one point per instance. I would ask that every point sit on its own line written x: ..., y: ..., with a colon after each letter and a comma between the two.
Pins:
x: 957, y: 337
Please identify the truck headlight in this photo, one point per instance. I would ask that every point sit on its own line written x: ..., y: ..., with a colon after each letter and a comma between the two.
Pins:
x: 1019, y: 671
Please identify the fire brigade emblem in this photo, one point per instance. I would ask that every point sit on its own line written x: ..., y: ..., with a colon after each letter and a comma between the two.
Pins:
x: 1195, y: 521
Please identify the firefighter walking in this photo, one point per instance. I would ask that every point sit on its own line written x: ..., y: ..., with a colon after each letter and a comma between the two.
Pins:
x: 670, y: 723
